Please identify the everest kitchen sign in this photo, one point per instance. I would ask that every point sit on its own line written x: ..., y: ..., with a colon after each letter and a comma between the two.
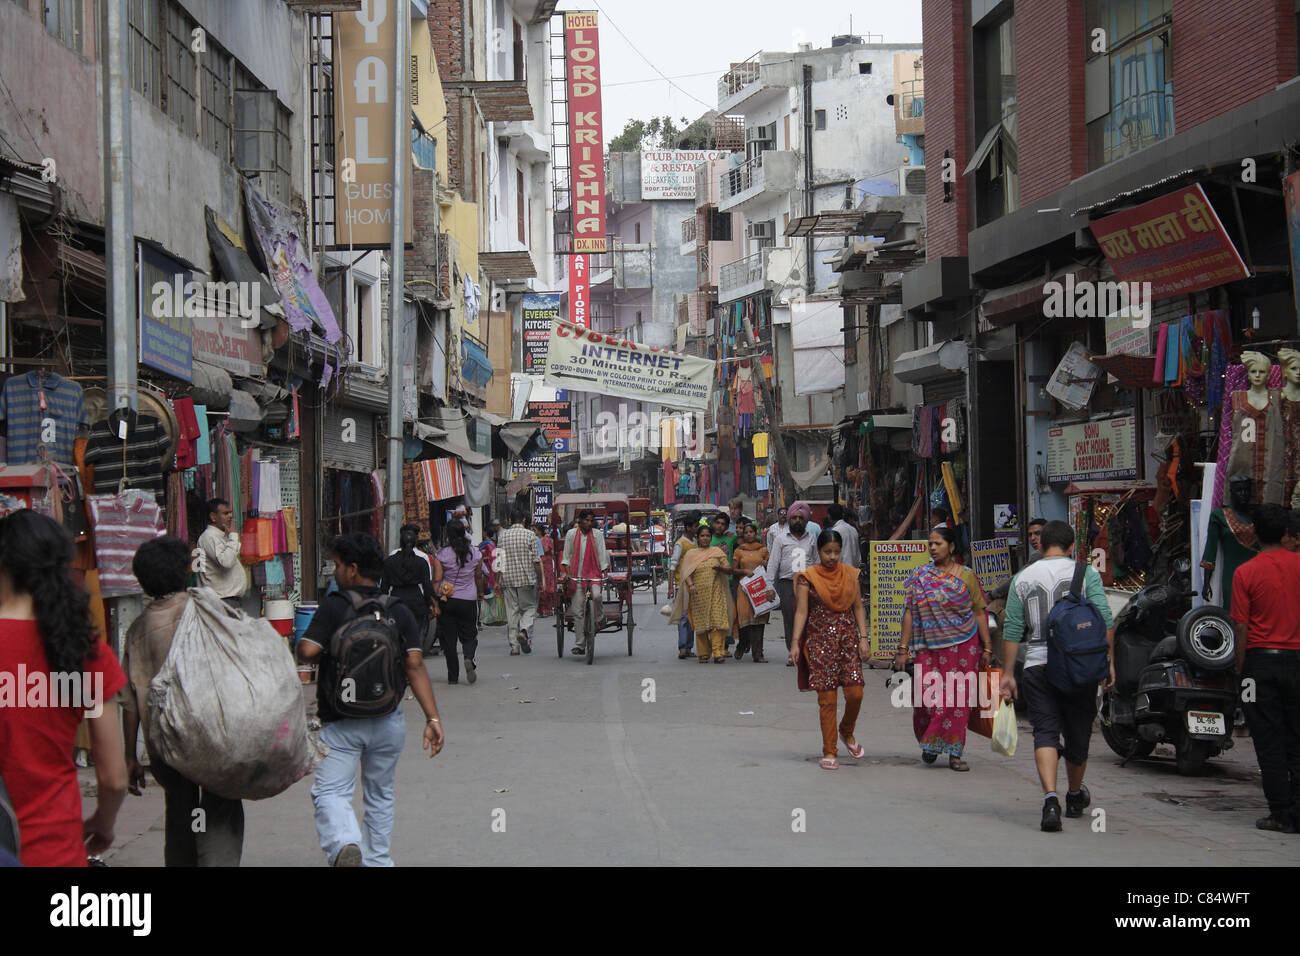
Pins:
x: 590, y: 361
x: 586, y: 139
x: 1093, y: 451
x: 364, y: 53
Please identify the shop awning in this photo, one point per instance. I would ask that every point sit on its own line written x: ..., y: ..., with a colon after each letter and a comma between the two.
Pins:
x: 491, y: 418
x: 504, y: 266
x: 930, y: 363
x: 475, y: 365
x: 518, y: 435
x: 233, y: 263
x: 1024, y: 300
x: 427, y: 432
x: 499, y: 101
x: 877, y: 422
x: 466, y: 454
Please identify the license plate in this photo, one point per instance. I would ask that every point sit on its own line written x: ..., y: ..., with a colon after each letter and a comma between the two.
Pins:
x: 1204, y: 722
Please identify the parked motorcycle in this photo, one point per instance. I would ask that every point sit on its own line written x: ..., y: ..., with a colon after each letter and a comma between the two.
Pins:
x: 1175, y: 679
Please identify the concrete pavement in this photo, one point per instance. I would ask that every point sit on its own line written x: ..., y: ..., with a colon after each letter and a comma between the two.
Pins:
x: 550, y: 761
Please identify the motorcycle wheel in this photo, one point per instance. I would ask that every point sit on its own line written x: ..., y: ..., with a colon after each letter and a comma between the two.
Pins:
x: 1126, y: 742
x: 1190, y: 757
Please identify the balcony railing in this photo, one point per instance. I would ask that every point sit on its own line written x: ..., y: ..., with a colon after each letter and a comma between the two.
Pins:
x: 736, y: 181
x: 743, y: 272
x: 738, y: 77
x: 688, y: 230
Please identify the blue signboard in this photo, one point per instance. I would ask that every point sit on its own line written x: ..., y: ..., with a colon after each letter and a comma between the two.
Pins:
x: 166, y: 335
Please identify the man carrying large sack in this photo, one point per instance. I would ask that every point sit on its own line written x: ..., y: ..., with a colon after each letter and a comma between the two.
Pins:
x: 215, y: 836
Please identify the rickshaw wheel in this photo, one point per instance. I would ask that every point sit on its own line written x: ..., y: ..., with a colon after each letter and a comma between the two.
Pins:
x: 589, y: 623
x: 559, y: 625
x: 630, y: 626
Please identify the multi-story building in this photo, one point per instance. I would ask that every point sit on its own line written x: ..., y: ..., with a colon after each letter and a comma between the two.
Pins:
x: 1133, y: 101
x: 817, y: 125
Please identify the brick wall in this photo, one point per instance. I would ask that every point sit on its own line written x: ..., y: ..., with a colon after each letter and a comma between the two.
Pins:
x: 420, y: 259
x: 1052, y: 135
x: 1222, y: 61
x: 446, y: 21
x: 944, y: 38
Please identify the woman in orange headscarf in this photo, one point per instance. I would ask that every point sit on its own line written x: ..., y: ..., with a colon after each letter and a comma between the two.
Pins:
x: 830, y: 642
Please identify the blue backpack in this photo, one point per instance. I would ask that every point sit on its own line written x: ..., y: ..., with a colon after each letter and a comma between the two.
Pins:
x: 1077, y: 653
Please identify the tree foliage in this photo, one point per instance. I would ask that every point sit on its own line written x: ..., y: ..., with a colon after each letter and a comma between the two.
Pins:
x: 663, y: 132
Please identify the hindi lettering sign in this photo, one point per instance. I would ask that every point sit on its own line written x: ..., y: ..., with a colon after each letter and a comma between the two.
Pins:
x: 590, y: 361
x: 1176, y: 242
x: 1093, y: 451
x: 991, y: 562
x: 892, y: 563
x: 586, y: 138
x: 670, y: 173
x: 540, y: 310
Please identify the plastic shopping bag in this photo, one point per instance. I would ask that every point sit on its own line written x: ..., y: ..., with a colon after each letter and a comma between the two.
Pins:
x: 226, y: 709
x: 1004, y: 730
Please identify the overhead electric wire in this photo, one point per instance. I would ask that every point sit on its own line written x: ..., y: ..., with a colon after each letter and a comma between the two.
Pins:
x: 647, y: 59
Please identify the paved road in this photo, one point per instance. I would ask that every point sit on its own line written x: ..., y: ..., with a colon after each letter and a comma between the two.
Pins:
x: 582, y: 770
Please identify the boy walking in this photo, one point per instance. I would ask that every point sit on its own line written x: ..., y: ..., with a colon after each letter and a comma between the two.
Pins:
x: 372, y: 744
x: 1053, y: 713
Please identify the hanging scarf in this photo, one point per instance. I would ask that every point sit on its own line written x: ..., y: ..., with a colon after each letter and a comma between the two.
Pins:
x: 837, y: 587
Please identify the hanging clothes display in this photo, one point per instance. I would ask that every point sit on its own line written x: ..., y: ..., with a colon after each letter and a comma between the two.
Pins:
x: 670, y: 483
x: 267, y: 483
x: 138, y: 459
x: 122, y: 522
x: 203, y: 453
x: 188, y: 433
x: 41, y: 410
x: 415, y: 497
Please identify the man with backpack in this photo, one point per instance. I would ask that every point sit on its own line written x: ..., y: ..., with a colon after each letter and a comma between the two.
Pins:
x: 370, y: 649
x: 1060, y: 605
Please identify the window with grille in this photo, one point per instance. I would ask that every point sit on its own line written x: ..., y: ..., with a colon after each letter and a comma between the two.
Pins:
x: 63, y: 19
x: 261, y: 136
x: 180, y: 96
x: 215, y: 100
x: 145, y: 25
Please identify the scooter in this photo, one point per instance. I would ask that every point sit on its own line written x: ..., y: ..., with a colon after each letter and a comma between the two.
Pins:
x: 1175, y: 679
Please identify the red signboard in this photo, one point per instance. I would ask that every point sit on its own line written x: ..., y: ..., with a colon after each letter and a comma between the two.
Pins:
x: 586, y: 139
x: 1176, y: 242
x: 579, y: 291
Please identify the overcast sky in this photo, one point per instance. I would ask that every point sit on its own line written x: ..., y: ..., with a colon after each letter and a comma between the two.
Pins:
x: 704, y: 36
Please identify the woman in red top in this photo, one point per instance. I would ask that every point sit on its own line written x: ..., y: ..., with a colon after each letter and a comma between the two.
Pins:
x: 46, y: 630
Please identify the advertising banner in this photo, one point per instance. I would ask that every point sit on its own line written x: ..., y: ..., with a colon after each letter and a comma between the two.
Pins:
x: 579, y: 291
x: 543, y: 501
x: 892, y: 563
x: 540, y: 310
x: 221, y: 340
x: 540, y: 467
x: 556, y: 421
x: 166, y: 339
x: 670, y: 173
x: 364, y: 52
x: 1093, y: 451
x: 1176, y: 242
x: 991, y: 562
x: 590, y: 361
x: 586, y: 139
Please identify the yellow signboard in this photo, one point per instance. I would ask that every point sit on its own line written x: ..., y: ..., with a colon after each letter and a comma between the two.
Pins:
x: 892, y: 563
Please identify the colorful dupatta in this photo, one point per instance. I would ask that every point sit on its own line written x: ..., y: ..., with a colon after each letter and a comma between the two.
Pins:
x: 943, y: 609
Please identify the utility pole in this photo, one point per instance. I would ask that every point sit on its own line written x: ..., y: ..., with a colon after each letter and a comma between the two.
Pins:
x: 397, y: 272
x: 119, y: 226
x: 777, y: 442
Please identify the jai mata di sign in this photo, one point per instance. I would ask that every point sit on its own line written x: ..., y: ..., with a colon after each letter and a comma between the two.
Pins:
x: 586, y: 141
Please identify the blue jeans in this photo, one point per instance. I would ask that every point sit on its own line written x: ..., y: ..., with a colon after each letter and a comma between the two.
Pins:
x: 373, y: 744
x: 685, y: 637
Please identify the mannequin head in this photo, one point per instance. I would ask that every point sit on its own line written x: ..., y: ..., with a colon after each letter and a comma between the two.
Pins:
x: 1289, y: 359
x: 1258, y: 367
x: 1239, y: 489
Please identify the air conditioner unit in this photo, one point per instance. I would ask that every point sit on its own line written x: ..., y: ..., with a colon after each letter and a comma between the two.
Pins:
x: 760, y: 230
x: 911, y: 180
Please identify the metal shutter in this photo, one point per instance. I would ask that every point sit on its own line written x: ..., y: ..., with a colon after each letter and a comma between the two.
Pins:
x: 944, y: 389
x: 358, y: 455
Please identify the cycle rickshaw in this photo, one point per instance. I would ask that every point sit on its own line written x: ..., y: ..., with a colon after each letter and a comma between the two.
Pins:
x: 609, y: 608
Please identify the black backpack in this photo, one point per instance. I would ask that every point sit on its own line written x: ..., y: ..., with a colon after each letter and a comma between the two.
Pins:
x: 366, y: 676
x: 1077, y: 653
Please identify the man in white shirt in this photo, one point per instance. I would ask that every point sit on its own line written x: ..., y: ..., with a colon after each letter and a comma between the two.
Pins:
x: 218, y: 565
x: 776, y: 528
x: 851, y: 544
x: 793, y: 550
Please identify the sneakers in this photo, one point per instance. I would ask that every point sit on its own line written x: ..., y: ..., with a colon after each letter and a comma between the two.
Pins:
x: 1074, y: 804
x: 350, y: 855
x: 1051, y: 815
x: 471, y: 672
x: 525, y: 644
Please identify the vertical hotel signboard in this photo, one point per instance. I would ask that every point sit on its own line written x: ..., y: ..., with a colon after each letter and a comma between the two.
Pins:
x: 586, y: 140
x: 364, y: 53
x: 579, y: 291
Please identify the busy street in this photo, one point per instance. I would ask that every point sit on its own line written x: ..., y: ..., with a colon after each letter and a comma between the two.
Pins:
x: 592, y: 433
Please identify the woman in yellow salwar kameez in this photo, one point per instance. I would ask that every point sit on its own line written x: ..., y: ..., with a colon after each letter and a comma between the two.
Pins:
x: 704, y: 571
